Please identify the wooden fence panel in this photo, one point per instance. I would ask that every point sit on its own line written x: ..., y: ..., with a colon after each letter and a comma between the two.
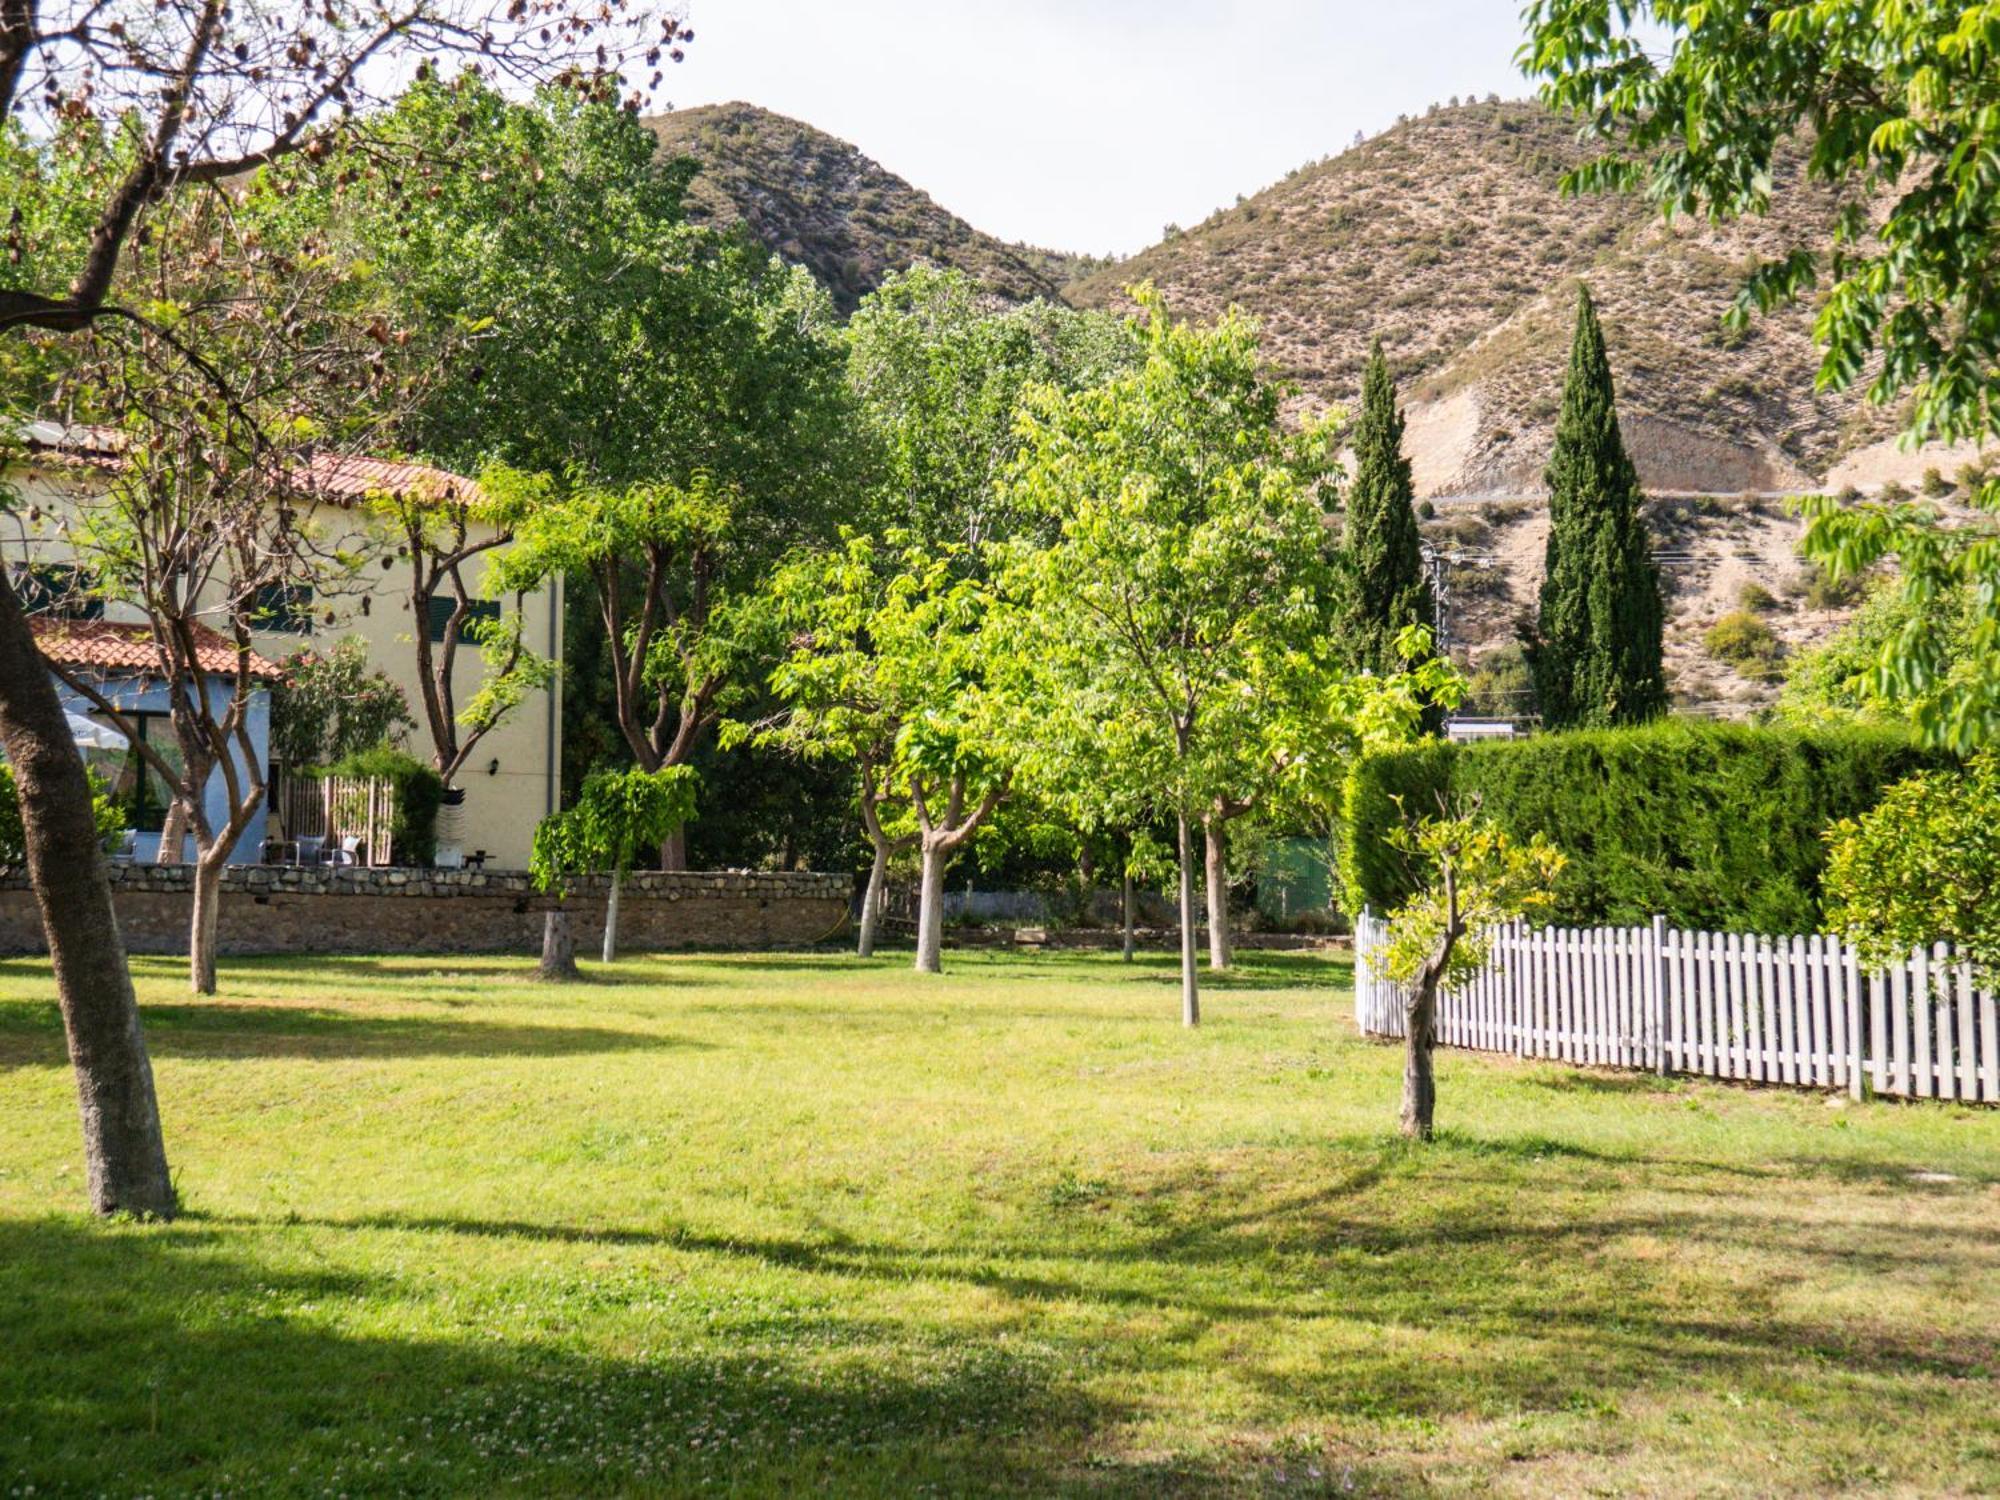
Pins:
x: 1794, y: 1010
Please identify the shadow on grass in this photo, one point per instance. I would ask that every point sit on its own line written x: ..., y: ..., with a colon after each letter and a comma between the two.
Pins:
x: 147, y: 1359
x: 31, y: 1034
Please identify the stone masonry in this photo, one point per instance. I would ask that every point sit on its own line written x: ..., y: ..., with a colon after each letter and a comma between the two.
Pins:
x: 269, y: 909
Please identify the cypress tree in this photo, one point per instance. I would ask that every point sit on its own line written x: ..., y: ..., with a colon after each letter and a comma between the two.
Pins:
x: 1384, y: 549
x: 1596, y: 652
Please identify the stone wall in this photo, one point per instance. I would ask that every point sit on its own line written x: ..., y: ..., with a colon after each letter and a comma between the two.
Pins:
x: 280, y: 910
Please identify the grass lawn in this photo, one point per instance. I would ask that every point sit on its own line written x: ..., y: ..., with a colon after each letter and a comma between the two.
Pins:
x: 771, y: 1225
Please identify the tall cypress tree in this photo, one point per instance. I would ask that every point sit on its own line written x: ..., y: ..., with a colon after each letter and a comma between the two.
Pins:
x: 1383, y: 546
x: 1596, y: 654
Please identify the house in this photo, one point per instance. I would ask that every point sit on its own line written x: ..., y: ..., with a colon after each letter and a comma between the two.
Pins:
x: 121, y: 661
x: 514, y: 776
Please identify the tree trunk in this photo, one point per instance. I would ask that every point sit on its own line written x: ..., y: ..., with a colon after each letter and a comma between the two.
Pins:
x: 1127, y: 900
x: 173, y: 834
x: 202, y: 928
x: 1419, y: 1081
x: 558, y: 948
x: 1190, y: 995
x: 871, y: 903
x: 930, y: 909
x: 125, y: 1157
x: 674, y: 850
x: 611, y: 916
x: 1218, y: 892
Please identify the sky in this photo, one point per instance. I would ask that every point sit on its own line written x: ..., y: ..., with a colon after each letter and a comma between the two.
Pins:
x: 1089, y: 125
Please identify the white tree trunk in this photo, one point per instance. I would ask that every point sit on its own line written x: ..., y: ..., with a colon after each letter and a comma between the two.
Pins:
x: 611, y: 916
x: 930, y: 910
x: 1127, y: 901
x: 871, y: 903
x: 1190, y: 994
x: 1217, y: 851
x: 202, y: 928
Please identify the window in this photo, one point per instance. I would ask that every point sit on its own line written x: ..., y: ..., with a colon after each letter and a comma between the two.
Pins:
x: 477, y: 613
x: 283, y: 608
x: 135, y: 784
x: 57, y: 589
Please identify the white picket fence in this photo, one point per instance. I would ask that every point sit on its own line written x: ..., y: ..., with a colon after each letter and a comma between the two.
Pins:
x: 1788, y: 1010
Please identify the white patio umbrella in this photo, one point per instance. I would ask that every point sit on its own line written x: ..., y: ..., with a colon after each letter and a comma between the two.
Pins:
x: 91, y: 735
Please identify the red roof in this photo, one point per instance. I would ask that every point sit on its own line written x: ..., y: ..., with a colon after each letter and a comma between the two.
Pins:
x: 333, y: 476
x: 110, y: 646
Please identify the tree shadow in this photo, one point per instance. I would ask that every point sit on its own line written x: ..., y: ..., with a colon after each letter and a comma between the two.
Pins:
x: 164, y: 1359
x: 31, y: 1034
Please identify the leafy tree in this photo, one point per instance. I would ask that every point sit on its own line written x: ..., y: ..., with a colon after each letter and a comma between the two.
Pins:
x: 1921, y: 868
x: 444, y: 527
x: 1852, y: 673
x: 1596, y: 651
x: 677, y: 395
x: 212, y: 508
x: 1698, y: 102
x: 619, y: 815
x: 199, y: 95
x: 1384, y: 547
x: 896, y: 669
x: 1479, y: 879
x: 1188, y: 565
x: 331, y: 704
x: 939, y: 369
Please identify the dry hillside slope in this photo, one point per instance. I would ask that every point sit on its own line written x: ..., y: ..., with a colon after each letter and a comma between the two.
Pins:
x: 1448, y: 238
x: 821, y: 203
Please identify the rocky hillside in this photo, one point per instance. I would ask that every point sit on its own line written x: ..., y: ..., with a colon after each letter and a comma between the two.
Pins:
x: 1447, y: 237
x: 819, y: 202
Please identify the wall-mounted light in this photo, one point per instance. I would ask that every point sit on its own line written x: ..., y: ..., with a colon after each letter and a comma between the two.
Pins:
x: 493, y: 767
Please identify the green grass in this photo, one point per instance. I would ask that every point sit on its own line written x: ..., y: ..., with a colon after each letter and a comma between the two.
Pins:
x: 803, y: 1224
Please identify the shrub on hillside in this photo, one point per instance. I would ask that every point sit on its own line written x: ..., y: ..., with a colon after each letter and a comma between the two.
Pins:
x: 1718, y: 826
x: 1746, y: 643
x: 1754, y: 597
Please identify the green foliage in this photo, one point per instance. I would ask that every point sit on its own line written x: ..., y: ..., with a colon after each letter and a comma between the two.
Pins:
x: 1717, y: 826
x: 1596, y: 651
x: 1921, y: 867
x: 1853, y: 673
x: 1935, y: 485
x: 1479, y: 878
x: 331, y: 704
x: 940, y: 368
x: 894, y: 669
x: 1502, y: 684
x: 1896, y: 105
x: 1384, y: 550
x: 109, y: 813
x: 1743, y: 640
x: 419, y: 794
x: 618, y: 815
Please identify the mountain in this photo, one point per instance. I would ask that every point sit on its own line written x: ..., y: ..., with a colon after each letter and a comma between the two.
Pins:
x: 821, y: 203
x: 1448, y: 237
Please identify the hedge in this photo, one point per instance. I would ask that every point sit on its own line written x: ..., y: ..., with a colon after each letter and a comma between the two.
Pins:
x: 1716, y: 826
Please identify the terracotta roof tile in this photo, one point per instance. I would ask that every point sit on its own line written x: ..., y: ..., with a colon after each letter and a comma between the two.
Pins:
x: 111, y: 646
x: 333, y: 476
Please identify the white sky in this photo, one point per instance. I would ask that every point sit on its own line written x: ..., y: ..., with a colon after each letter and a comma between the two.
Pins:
x: 1089, y: 124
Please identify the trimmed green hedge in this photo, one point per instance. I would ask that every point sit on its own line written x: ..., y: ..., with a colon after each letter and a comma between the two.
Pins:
x: 1717, y: 826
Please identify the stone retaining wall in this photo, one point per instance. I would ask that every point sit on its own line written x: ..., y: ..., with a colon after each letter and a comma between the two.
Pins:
x: 280, y: 910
